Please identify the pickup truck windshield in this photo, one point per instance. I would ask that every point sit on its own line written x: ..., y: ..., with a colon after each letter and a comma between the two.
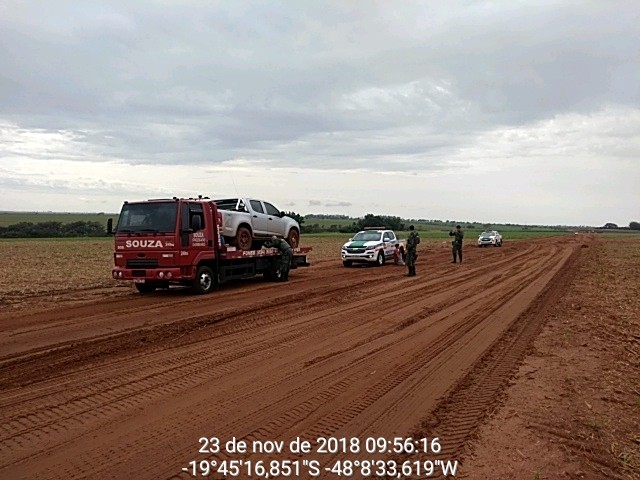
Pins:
x: 153, y: 217
x: 487, y: 234
x: 366, y: 237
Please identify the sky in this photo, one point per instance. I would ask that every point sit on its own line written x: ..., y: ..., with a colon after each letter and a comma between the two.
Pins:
x: 491, y: 111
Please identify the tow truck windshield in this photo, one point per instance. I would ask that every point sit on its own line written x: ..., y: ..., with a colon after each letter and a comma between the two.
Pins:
x: 156, y: 217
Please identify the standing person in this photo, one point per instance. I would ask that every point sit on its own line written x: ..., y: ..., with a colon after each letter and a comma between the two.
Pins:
x: 412, y: 245
x: 458, y: 235
x: 284, y: 262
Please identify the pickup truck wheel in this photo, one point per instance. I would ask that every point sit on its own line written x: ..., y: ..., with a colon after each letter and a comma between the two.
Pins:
x: 346, y: 263
x: 205, y: 280
x: 293, y: 239
x: 243, y: 239
x: 380, y: 259
x: 145, y: 287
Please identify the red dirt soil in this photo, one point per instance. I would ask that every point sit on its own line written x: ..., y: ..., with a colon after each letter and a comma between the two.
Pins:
x: 124, y: 386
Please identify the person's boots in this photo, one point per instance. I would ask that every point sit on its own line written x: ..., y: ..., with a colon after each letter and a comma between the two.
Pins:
x: 413, y: 271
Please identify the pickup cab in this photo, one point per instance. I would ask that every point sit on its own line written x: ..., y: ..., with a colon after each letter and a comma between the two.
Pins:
x: 248, y: 222
x: 373, y: 246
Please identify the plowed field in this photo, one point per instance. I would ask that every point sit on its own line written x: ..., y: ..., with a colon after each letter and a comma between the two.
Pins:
x: 122, y: 385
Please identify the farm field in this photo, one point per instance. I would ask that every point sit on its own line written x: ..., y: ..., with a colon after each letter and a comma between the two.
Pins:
x: 521, y: 361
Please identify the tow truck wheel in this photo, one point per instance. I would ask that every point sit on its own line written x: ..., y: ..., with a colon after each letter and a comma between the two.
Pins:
x: 146, y: 287
x: 243, y: 239
x: 380, y: 259
x: 275, y: 273
x: 205, y: 280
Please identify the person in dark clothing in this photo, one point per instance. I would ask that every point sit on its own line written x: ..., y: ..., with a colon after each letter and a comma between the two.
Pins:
x: 286, y: 254
x: 458, y: 235
x: 412, y: 255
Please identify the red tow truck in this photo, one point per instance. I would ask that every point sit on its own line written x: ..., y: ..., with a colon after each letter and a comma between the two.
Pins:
x: 177, y: 241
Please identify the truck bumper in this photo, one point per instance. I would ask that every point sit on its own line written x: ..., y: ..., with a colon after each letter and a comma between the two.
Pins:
x: 370, y: 256
x: 142, y: 275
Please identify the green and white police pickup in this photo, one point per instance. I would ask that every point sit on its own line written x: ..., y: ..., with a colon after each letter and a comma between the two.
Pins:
x: 374, y: 246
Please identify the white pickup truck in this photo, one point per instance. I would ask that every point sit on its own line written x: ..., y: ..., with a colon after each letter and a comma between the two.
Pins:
x: 247, y: 221
x: 372, y: 245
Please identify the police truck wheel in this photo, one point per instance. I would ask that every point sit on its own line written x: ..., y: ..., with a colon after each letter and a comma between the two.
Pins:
x: 205, y: 280
x: 346, y: 263
x: 293, y: 239
x: 243, y: 239
x: 145, y: 287
x: 380, y: 259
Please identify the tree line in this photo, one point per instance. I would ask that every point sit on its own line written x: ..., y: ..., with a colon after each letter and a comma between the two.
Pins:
x: 53, y: 230
x: 96, y: 229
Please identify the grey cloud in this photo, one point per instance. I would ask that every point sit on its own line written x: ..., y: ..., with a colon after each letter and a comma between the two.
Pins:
x: 326, y: 85
x: 315, y: 203
x: 337, y: 204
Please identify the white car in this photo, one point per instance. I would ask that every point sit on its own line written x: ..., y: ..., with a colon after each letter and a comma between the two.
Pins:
x: 247, y: 222
x: 490, y: 238
x: 371, y: 246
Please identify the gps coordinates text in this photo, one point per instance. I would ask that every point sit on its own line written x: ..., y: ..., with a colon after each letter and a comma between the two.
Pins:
x: 368, y: 457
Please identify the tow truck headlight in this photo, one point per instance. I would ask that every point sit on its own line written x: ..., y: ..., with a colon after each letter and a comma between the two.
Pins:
x: 119, y: 274
x: 161, y: 274
x: 169, y: 275
x: 115, y: 274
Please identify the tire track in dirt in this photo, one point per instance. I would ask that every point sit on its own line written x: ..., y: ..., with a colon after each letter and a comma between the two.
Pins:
x: 266, y: 374
x: 71, y: 352
x: 22, y: 330
x: 458, y: 417
x: 142, y: 383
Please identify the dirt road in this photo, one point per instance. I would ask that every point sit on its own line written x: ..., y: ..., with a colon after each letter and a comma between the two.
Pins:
x: 124, y: 387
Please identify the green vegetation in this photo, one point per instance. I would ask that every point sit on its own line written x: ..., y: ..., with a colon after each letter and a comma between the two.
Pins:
x: 433, y: 234
x: 49, y: 224
x: 11, y: 218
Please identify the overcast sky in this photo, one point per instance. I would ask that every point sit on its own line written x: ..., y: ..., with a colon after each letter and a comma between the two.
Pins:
x: 501, y: 111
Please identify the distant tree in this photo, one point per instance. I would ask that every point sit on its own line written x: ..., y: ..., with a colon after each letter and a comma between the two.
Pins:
x: 296, y: 216
x: 634, y: 225
x: 611, y: 226
x: 370, y: 220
